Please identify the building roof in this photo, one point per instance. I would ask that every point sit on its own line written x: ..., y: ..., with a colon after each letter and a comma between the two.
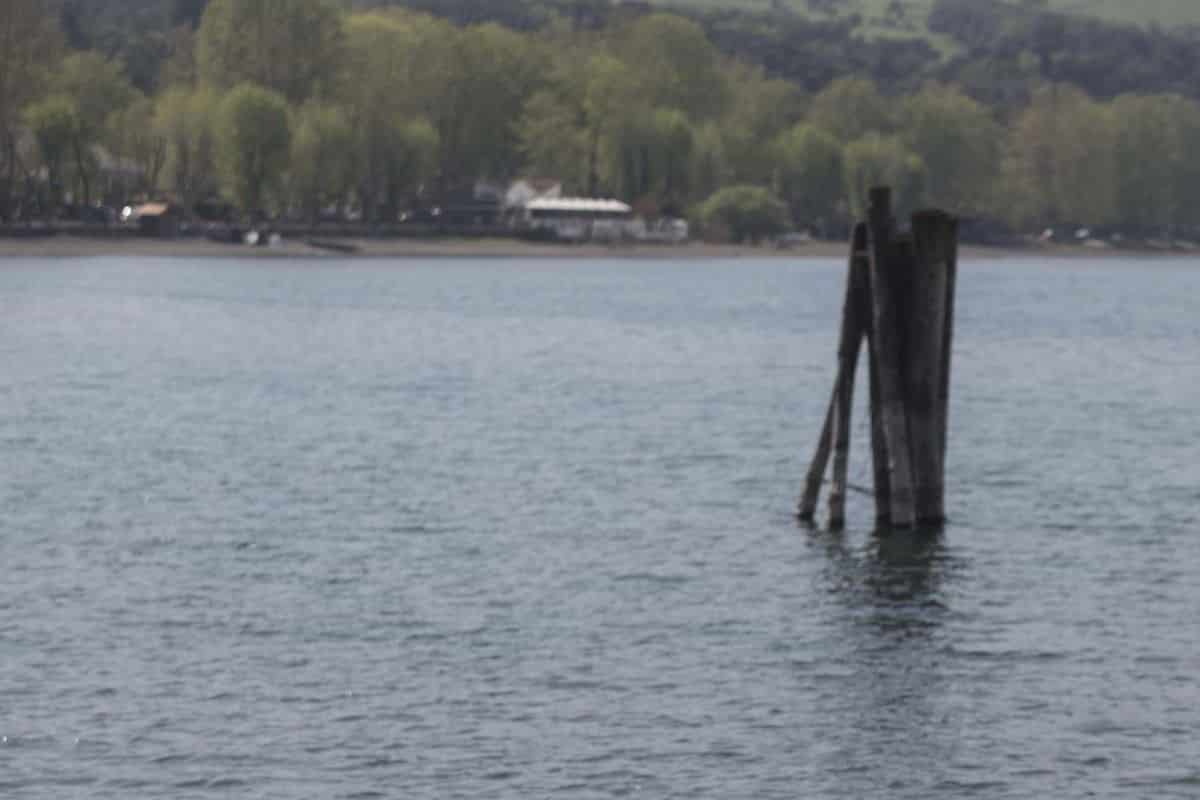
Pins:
x: 152, y: 210
x: 581, y: 205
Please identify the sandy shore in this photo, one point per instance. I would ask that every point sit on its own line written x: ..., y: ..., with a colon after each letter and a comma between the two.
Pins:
x: 69, y: 246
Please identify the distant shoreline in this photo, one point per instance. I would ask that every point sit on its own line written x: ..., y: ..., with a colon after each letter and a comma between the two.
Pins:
x: 79, y: 246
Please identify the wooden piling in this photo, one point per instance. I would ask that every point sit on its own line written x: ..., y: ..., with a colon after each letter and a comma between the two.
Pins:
x: 887, y: 284
x: 879, y: 453
x: 927, y: 356
x: 816, y: 470
x: 854, y: 328
x: 836, y: 430
x: 900, y: 297
x: 949, y: 237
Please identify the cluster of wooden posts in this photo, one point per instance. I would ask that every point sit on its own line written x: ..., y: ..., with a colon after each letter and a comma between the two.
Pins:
x: 900, y: 300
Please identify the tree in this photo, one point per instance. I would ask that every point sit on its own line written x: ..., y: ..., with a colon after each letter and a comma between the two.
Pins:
x: 53, y: 122
x: 849, y: 109
x: 488, y: 73
x: 186, y: 122
x: 136, y: 141
x: 959, y: 143
x: 710, y: 162
x: 810, y: 174
x: 293, y: 47
x: 761, y: 109
x: 647, y: 158
x: 322, y: 158
x: 1061, y: 158
x: 30, y: 46
x: 253, y: 141
x: 876, y: 160
x: 1148, y: 153
x: 554, y: 141
x: 1185, y: 178
x: 393, y: 78
x: 97, y: 88
x: 747, y: 213
x: 676, y: 65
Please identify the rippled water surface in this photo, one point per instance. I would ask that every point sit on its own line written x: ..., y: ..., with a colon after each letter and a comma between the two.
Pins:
x: 504, y: 529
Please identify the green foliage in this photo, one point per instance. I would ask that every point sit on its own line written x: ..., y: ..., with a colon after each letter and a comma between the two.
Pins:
x: 395, y: 108
x: 810, y: 174
x: 185, y: 119
x: 1062, y: 158
x: 405, y: 164
x: 745, y: 213
x: 253, y: 141
x: 133, y: 137
x: 54, y: 123
x: 760, y: 110
x: 293, y: 47
x: 553, y: 142
x: 1144, y: 190
x: 322, y: 157
x: 850, y: 108
x: 876, y: 160
x: 29, y: 47
x: 675, y: 66
x: 958, y: 141
x: 646, y: 158
x: 486, y: 72
x: 95, y: 88
x: 391, y: 80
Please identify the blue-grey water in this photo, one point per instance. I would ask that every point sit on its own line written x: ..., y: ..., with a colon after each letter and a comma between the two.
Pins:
x: 508, y: 529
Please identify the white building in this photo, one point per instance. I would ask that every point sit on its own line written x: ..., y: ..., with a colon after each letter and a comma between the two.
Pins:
x: 523, y: 191
x: 578, y: 219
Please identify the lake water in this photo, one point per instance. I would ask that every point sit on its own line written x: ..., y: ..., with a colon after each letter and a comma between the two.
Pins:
x: 511, y: 529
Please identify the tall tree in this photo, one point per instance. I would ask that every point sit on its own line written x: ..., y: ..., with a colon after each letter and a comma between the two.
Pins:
x: 810, y: 175
x: 185, y: 119
x: 53, y: 123
x: 676, y: 65
x: 488, y: 74
x: 647, y: 159
x: 253, y: 141
x: 97, y: 88
x: 1061, y: 154
x: 553, y: 140
x: 760, y: 110
x: 850, y: 108
x: 1147, y: 153
x: 1185, y: 124
x: 30, y: 46
x: 322, y: 158
x: 392, y: 81
x: 293, y: 47
x: 138, y: 145
x: 959, y: 143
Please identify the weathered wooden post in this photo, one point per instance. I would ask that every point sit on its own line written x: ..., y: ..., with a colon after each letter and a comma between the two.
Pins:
x: 835, y: 436
x: 888, y: 267
x: 927, y: 347
x: 900, y: 297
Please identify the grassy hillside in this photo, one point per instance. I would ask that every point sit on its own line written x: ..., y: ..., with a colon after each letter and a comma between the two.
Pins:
x: 1166, y: 13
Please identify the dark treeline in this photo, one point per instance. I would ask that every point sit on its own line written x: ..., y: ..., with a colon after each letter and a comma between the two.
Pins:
x: 1007, y: 47
x: 307, y: 108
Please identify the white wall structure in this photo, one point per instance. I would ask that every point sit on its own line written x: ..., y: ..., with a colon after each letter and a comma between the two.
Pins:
x: 578, y: 219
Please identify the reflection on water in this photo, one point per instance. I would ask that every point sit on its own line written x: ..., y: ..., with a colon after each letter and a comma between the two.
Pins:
x: 892, y: 590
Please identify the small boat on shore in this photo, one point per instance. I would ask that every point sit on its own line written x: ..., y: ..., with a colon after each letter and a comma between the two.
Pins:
x: 346, y: 248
